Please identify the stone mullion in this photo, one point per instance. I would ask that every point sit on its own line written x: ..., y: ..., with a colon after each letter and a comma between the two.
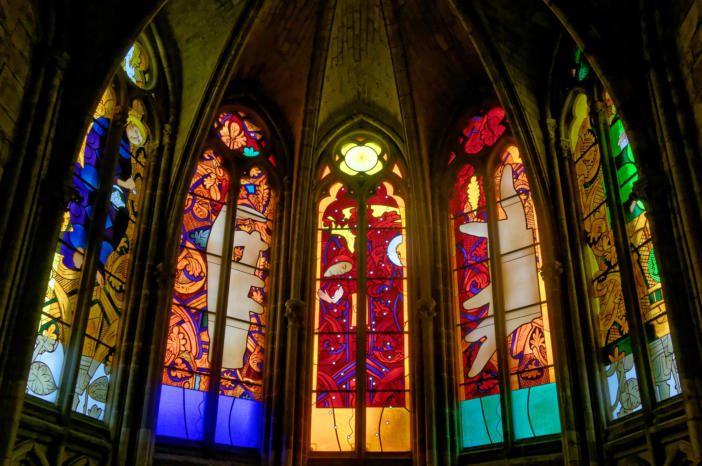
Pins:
x: 577, y: 340
x: 495, y: 261
x: 217, y: 347
x: 675, y: 218
x: 294, y: 311
x: 30, y: 250
x: 653, y: 192
x: 136, y: 275
x: 141, y: 365
x: 361, y: 311
x: 74, y: 349
x: 552, y: 274
x: 274, y: 373
x: 426, y: 309
x: 447, y: 402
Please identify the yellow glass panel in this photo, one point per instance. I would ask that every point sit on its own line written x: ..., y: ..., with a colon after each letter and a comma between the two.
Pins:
x: 332, y: 429
x: 378, y: 166
x: 660, y: 326
x: 315, y: 357
x: 324, y: 203
x: 388, y: 429
x: 580, y: 109
x: 345, y: 148
x: 345, y: 168
x: 375, y: 147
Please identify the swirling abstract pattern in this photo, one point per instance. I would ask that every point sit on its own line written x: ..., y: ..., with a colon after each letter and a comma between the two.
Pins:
x: 189, y: 358
x: 383, y: 258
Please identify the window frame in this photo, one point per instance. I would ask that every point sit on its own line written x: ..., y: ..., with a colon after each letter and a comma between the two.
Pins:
x: 446, y: 169
x: 360, y: 187
x: 154, y: 100
x: 236, y: 164
x: 593, y: 91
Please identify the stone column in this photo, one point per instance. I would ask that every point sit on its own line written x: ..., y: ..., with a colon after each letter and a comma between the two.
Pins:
x: 294, y: 313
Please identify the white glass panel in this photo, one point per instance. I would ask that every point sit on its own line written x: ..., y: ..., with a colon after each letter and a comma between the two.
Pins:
x: 520, y: 275
x: 213, y: 267
x: 216, y: 237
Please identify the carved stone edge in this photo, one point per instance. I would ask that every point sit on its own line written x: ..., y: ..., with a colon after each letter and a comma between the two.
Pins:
x: 426, y: 308
x: 552, y: 270
x: 648, y: 189
x: 293, y: 311
x: 163, y: 273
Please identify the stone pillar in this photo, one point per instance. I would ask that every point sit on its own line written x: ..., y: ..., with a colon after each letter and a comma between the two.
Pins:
x: 653, y: 190
x: 426, y: 309
x: 294, y: 313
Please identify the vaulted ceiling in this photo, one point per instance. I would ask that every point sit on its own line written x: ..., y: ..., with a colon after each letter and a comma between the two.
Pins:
x: 412, y: 66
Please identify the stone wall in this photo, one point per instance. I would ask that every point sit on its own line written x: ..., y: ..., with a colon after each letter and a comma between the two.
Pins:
x: 689, y: 44
x: 18, y: 28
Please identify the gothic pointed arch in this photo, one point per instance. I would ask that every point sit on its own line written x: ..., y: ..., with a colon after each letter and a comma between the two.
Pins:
x: 90, y: 282
x: 361, y: 390
x: 212, y: 384
x: 506, y: 375
x: 636, y: 364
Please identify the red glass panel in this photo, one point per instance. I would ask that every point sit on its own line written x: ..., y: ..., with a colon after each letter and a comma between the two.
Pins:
x: 484, y: 130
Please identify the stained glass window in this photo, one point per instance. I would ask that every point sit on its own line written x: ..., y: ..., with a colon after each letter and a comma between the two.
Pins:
x: 137, y: 65
x: 107, y: 182
x: 501, y: 316
x: 360, y: 399
x: 600, y: 220
x: 213, y: 369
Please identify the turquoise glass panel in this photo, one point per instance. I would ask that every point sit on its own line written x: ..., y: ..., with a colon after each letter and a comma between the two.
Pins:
x: 535, y: 411
x: 481, y: 421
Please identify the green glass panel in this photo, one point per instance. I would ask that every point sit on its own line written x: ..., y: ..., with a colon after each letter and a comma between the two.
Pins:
x: 581, y: 66
x: 535, y: 411
x: 481, y: 421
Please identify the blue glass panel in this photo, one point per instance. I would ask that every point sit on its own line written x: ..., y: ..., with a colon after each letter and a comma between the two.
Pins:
x: 481, y: 421
x: 238, y: 422
x: 535, y: 411
x: 181, y: 413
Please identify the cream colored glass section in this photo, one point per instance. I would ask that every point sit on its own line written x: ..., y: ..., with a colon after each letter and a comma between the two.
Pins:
x: 361, y: 158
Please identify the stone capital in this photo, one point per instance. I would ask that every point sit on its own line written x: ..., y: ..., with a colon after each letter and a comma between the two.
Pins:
x: 566, y: 151
x: 293, y: 311
x: 426, y: 308
x: 551, y: 126
x: 551, y: 271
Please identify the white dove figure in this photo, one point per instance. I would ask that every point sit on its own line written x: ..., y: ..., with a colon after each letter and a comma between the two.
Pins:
x: 519, y: 274
x: 331, y: 299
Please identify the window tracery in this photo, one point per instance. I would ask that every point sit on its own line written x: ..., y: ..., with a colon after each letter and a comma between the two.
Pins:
x: 616, y: 229
x: 507, y: 386
x: 212, y: 382
x: 88, y: 285
x: 360, y: 401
